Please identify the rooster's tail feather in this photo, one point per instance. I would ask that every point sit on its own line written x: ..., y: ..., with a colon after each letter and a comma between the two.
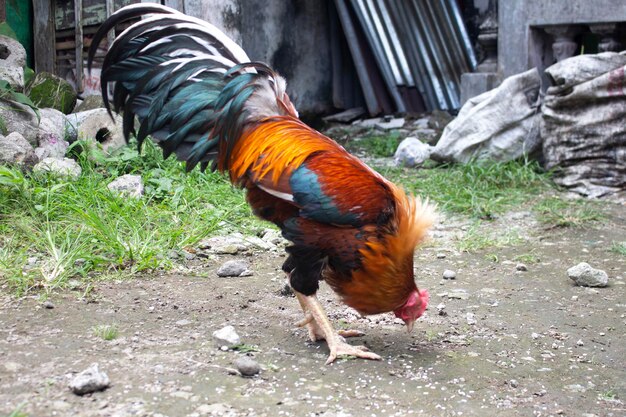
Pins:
x: 191, y: 87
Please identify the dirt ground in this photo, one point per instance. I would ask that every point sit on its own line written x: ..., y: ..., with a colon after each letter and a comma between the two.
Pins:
x: 507, y: 342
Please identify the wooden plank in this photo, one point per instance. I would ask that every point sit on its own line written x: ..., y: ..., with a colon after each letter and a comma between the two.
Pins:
x: 94, y: 12
x: 43, y: 28
x: 110, y: 9
x: 78, y: 12
x: 3, y: 10
x: 65, y: 45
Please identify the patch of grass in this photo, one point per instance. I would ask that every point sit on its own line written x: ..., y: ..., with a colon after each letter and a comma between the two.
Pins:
x: 477, y: 238
x: 245, y: 348
x: 558, y: 212
x: 18, y: 412
x: 374, y: 144
x: 619, y: 248
x: 106, y: 331
x: 479, y: 190
x: 527, y: 258
x: 80, y: 228
x: 609, y: 395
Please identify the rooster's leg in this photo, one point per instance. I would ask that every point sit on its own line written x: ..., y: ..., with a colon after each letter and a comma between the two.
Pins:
x: 315, y: 316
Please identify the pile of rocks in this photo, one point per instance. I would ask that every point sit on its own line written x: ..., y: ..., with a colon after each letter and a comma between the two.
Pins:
x: 40, y: 139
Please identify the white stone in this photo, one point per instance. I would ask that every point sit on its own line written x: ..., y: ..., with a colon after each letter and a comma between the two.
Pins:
x: 412, y: 152
x: 392, y: 124
x: 232, y: 268
x: 127, y: 186
x: 65, y: 167
x: 584, y: 275
x: 14, y: 148
x: 97, y: 125
x: 89, y: 380
x: 226, y: 336
x: 12, y: 66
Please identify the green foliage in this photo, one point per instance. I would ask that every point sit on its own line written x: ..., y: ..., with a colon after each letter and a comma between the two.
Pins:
x: 479, y: 190
x: 106, y: 332
x: 619, y: 248
x: 375, y: 144
x: 528, y: 258
x: 245, y: 348
x: 558, y: 212
x: 48, y: 90
x: 3, y: 127
x: 8, y: 93
x: 80, y: 229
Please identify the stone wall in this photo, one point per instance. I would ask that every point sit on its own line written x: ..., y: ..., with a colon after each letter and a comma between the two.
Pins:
x: 522, y: 45
x: 291, y: 36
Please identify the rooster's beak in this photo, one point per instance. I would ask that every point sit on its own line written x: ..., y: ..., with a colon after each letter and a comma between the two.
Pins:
x: 409, y: 325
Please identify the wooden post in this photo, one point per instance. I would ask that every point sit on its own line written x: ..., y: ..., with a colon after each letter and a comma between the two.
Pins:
x: 78, y: 21
x: 45, y: 55
x: 3, y: 10
x: 110, y: 4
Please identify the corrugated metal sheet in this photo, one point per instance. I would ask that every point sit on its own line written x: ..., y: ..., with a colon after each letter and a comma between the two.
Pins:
x: 420, y: 49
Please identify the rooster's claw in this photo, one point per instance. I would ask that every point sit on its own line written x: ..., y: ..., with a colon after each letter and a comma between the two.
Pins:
x: 343, y: 349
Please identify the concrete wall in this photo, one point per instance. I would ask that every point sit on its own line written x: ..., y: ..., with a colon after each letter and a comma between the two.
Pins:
x: 517, y: 44
x: 292, y: 36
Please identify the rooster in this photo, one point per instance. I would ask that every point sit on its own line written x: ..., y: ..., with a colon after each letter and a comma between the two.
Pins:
x: 196, y: 93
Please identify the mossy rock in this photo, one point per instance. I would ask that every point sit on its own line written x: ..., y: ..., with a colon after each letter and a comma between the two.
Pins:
x: 48, y: 90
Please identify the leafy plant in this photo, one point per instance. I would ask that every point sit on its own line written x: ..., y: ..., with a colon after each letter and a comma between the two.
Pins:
x: 8, y: 93
x: 107, y: 332
x: 619, y: 248
x: 245, y: 348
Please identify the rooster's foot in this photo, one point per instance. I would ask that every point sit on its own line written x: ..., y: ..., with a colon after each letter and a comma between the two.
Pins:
x: 339, y: 348
x: 316, y: 334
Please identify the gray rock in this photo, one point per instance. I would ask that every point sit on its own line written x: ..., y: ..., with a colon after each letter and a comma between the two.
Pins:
x: 127, y: 186
x: 391, y: 124
x: 521, y: 267
x: 247, y: 366
x: 441, y: 255
x: 89, y: 380
x: 90, y: 103
x: 222, y: 245
x: 183, y: 322
x: 48, y: 304
x: 439, y: 119
x: 367, y: 123
x: 65, y: 167
x: 53, y: 123
x: 584, y: 275
x: 346, y: 116
x: 232, y: 268
x: 274, y: 237
x: 226, y: 336
x: 15, y: 149
x: 420, y: 123
x: 470, y: 318
x: 51, y: 146
x: 411, y: 152
x: 96, y: 125
x: 21, y: 119
x: 449, y: 274
x: 12, y: 62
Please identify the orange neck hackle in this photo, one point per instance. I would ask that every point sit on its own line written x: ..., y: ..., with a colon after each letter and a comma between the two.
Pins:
x: 386, y: 278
